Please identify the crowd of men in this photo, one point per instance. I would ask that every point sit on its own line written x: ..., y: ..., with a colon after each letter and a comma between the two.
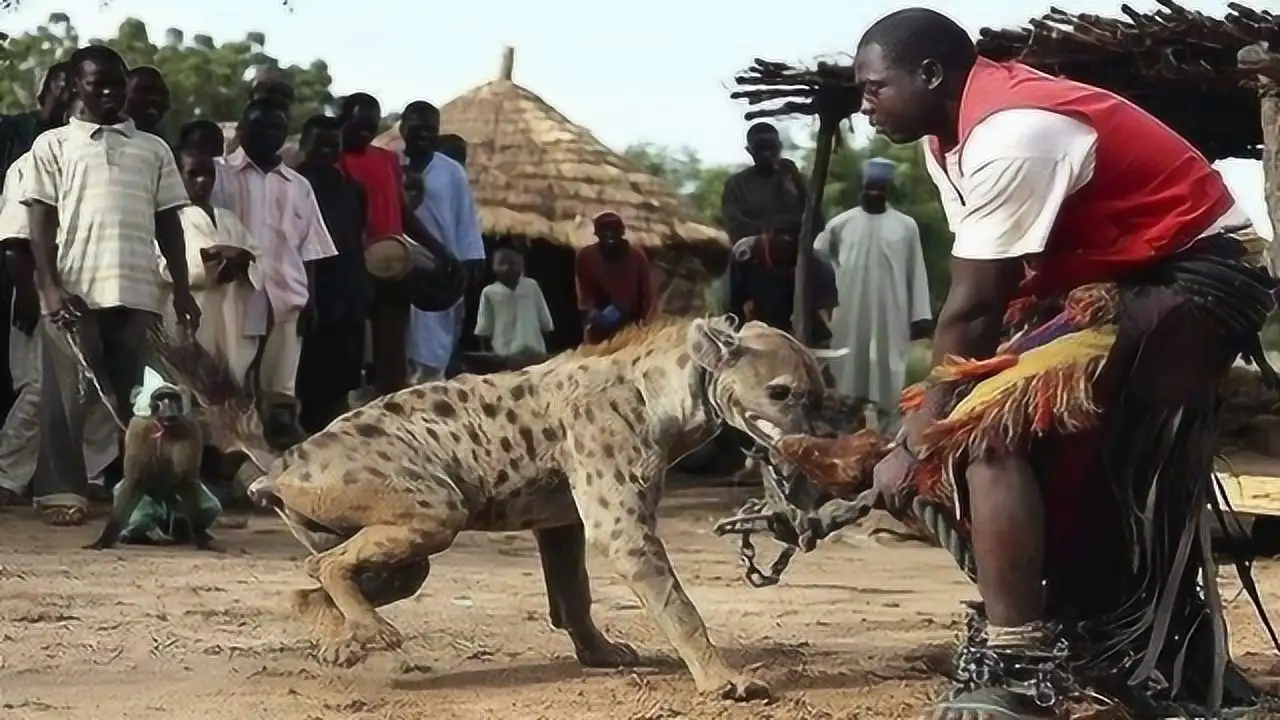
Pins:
x: 109, y: 229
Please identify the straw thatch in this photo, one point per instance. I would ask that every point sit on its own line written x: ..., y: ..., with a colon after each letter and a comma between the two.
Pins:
x: 538, y: 175
x: 1179, y: 64
x: 289, y: 152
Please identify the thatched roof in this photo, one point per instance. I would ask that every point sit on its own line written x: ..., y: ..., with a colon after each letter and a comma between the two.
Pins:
x: 1178, y: 64
x: 289, y: 152
x: 537, y: 174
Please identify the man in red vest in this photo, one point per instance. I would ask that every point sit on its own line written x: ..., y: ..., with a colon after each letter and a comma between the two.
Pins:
x: 1076, y: 456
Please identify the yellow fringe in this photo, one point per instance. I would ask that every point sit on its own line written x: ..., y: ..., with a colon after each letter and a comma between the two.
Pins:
x: 1048, y: 388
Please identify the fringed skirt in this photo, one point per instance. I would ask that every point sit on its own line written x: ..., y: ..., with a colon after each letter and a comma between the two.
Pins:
x: 1111, y: 393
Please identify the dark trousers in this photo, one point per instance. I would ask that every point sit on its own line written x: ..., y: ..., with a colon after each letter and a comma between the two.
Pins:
x: 114, y: 341
x: 389, y: 326
x: 330, y: 367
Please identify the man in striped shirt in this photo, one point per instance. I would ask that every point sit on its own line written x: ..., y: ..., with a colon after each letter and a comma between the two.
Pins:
x: 100, y: 196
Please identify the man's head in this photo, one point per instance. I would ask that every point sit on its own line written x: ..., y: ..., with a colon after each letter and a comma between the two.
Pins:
x: 508, y: 265
x: 271, y: 84
x: 55, y: 95
x: 415, y: 190
x: 763, y: 381
x: 204, y: 137
x: 198, y: 174
x: 764, y: 145
x: 877, y: 178
x: 321, y: 140
x: 262, y: 130
x: 454, y: 147
x: 360, y: 114
x: 913, y: 65
x: 99, y: 80
x: 146, y: 97
x: 420, y: 130
x: 612, y: 233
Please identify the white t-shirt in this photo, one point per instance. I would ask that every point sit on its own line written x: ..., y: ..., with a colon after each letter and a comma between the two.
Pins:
x: 1017, y: 168
x: 514, y: 320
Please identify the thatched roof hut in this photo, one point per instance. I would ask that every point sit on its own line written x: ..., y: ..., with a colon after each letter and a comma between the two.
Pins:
x: 537, y: 174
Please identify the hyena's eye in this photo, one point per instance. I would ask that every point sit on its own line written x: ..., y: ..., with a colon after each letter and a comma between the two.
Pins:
x: 778, y: 392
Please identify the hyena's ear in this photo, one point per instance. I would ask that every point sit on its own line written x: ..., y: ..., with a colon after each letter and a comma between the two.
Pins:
x: 713, y: 347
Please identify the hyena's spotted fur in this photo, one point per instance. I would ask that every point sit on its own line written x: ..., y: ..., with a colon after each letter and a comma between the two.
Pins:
x: 574, y: 449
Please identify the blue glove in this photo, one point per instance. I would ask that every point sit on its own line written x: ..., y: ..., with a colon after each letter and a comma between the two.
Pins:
x: 610, y: 317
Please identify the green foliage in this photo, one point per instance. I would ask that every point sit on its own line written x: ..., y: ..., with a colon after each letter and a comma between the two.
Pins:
x: 206, y: 79
x: 698, y: 183
x: 914, y: 193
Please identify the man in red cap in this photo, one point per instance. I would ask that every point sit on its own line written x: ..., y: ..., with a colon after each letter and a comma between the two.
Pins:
x: 613, y: 283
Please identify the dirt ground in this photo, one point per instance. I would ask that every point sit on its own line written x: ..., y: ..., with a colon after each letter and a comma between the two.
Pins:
x: 857, y: 629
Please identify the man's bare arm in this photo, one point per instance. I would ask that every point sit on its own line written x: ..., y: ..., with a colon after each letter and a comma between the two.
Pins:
x: 43, y: 219
x: 969, y: 324
x: 173, y: 246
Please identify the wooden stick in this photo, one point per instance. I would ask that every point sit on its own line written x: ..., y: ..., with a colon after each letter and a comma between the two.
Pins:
x: 1260, y: 59
x: 827, y: 130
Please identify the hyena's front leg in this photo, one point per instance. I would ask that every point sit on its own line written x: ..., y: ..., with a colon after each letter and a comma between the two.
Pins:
x: 619, y: 515
x: 564, y: 568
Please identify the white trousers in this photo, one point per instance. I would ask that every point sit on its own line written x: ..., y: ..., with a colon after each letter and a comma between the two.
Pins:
x: 20, y: 436
x: 279, y: 370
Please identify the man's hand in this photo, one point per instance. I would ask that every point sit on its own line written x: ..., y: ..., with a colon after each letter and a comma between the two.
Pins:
x: 26, y: 308
x: 63, y: 307
x: 187, y: 310
x: 892, y: 481
x: 306, y: 318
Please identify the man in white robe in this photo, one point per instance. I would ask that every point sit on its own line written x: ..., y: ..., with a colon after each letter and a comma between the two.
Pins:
x: 884, y: 292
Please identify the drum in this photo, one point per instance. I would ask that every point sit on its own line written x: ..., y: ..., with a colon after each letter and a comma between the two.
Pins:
x: 432, y: 280
x: 389, y: 258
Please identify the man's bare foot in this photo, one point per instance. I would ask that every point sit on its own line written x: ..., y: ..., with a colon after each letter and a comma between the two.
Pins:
x: 63, y: 516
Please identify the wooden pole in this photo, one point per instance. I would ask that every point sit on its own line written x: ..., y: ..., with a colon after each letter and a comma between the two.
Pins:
x: 1261, y: 59
x: 508, y: 63
x: 827, y: 130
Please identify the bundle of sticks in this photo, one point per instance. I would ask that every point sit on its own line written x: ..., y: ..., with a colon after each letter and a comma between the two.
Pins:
x: 828, y: 91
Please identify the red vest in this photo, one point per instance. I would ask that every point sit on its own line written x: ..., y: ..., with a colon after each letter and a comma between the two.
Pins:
x: 1151, y: 195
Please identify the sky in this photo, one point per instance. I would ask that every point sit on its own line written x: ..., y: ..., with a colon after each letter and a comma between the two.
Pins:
x: 657, y: 71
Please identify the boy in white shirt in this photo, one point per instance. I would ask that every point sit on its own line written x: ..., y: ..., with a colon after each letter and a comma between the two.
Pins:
x: 222, y: 258
x: 513, y: 315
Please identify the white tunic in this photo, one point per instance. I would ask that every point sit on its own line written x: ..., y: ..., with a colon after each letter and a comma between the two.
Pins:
x: 880, y: 275
x: 514, y: 320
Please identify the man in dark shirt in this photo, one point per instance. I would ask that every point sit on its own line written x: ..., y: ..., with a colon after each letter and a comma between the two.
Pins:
x: 762, y: 283
x: 612, y: 280
x: 771, y: 191
x: 333, y: 342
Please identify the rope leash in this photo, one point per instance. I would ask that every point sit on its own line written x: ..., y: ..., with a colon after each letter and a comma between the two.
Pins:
x: 87, y: 378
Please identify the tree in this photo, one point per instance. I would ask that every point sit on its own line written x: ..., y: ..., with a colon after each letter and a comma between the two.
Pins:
x: 206, y: 80
x: 699, y: 184
x: 913, y: 193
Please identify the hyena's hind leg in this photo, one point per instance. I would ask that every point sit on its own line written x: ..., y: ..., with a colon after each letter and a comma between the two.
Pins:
x: 563, y: 551
x: 402, y: 519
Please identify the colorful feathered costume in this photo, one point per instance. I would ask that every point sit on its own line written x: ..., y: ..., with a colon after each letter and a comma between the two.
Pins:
x: 1111, y: 393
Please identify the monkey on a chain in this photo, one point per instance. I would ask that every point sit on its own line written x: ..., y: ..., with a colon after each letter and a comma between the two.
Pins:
x: 162, y: 454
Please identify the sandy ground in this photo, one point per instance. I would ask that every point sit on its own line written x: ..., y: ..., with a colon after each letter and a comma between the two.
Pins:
x: 857, y: 629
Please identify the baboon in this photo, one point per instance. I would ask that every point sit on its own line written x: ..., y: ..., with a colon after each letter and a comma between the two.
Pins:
x: 162, y: 457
